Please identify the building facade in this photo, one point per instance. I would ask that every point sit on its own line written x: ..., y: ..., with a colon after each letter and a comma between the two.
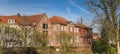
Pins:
x: 51, y: 27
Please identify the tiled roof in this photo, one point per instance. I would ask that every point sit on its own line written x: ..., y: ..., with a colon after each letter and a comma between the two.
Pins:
x: 34, y: 18
x: 20, y: 19
x: 81, y: 25
x: 61, y: 20
x: 4, y: 19
x: 58, y: 20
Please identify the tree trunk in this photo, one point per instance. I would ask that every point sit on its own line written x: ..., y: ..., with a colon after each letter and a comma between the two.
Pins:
x: 118, y: 46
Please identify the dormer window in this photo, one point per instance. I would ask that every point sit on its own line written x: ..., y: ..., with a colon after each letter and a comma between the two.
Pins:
x: 11, y: 21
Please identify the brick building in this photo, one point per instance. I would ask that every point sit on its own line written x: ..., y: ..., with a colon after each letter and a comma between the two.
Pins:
x: 51, y: 27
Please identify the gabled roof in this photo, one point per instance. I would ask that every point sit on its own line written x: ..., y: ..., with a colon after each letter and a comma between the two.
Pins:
x: 63, y: 21
x: 20, y: 19
x: 34, y: 19
x: 70, y: 22
x: 4, y: 19
x: 58, y: 20
x: 81, y: 25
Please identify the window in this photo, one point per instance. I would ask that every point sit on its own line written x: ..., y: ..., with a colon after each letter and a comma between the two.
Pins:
x: 81, y: 39
x: 50, y: 43
x: 65, y: 28
x: 11, y: 21
x: 71, y: 29
x: 55, y: 27
x: 74, y: 29
x: 45, y: 26
x: 71, y: 40
x: 61, y: 28
x: 55, y: 39
x: 77, y: 39
x: 77, y: 29
x: 45, y: 33
x: 81, y: 44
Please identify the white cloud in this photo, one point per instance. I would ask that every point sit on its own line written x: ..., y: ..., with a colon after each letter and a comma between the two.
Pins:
x: 77, y: 6
x: 88, y: 18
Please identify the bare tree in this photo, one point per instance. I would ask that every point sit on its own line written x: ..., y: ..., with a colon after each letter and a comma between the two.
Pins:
x: 108, y: 13
x: 32, y: 37
x: 80, y: 20
x: 10, y: 37
x: 66, y: 41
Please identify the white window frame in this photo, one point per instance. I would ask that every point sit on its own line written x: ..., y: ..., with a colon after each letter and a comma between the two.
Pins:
x: 71, y: 29
x: 77, y: 39
x: 74, y: 29
x: 71, y: 40
x: 77, y: 29
x: 61, y: 28
x: 11, y: 21
x: 55, y: 27
x: 65, y: 28
x: 80, y: 39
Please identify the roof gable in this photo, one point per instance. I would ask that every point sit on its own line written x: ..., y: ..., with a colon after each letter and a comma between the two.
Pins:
x: 4, y: 19
x: 81, y: 25
x: 34, y: 19
x: 58, y: 20
x: 70, y: 22
x: 21, y: 19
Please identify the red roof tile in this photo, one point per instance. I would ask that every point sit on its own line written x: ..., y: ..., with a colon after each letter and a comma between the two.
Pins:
x: 81, y: 25
x: 34, y: 18
x: 4, y: 19
x: 58, y: 20
x: 20, y: 19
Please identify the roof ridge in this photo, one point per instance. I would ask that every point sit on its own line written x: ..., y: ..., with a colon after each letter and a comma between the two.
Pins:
x: 31, y: 18
x: 60, y: 17
x: 39, y: 19
x: 36, y: 14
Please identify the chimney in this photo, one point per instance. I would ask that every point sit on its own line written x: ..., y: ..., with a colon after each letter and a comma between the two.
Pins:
x: 18, y: 14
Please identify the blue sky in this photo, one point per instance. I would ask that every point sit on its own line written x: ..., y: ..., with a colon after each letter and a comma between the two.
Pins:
x: 69, y: 9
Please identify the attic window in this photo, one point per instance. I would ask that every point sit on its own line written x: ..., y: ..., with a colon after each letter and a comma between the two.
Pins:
x: 11, y: 21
